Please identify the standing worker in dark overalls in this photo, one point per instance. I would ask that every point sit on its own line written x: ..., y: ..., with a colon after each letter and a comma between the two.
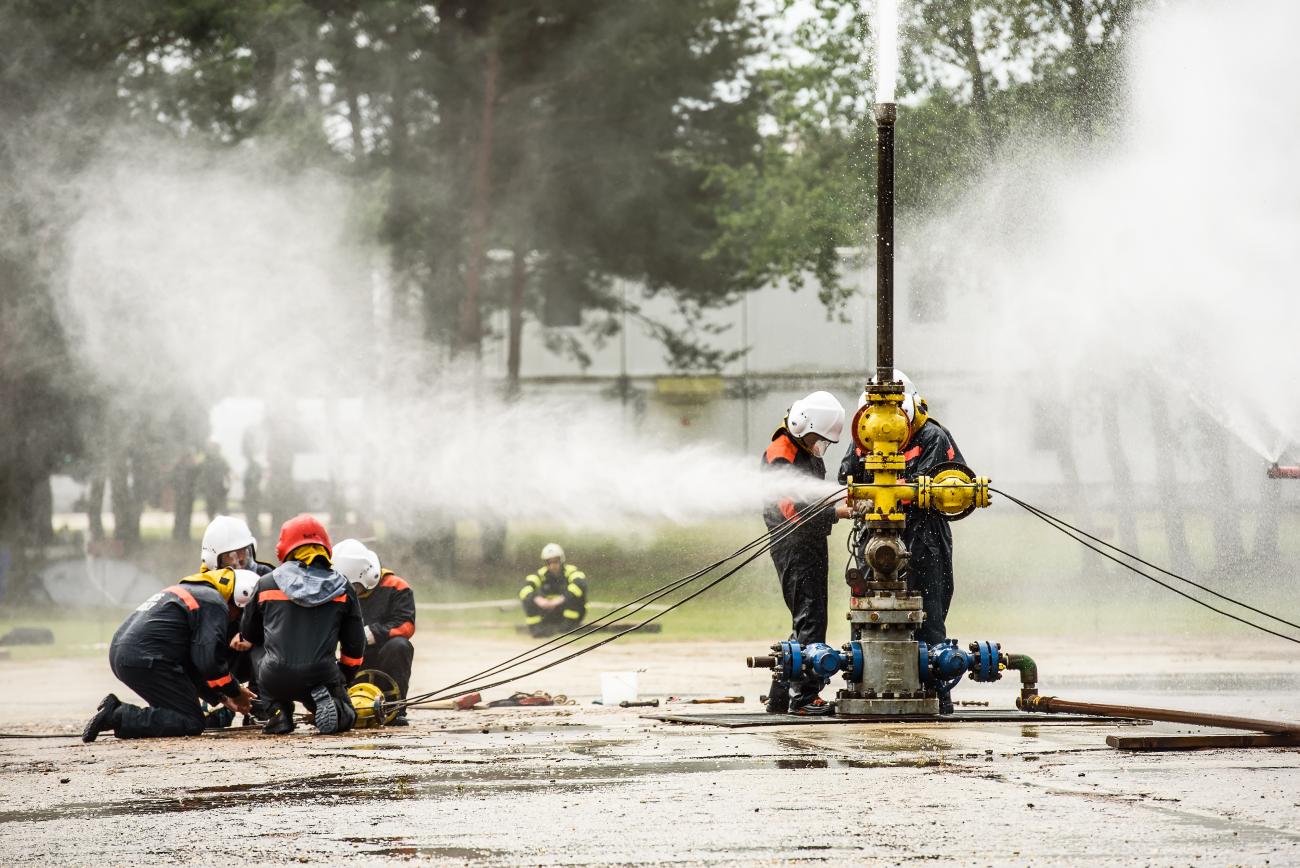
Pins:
x: 927, y: 535
x: 802, y: 558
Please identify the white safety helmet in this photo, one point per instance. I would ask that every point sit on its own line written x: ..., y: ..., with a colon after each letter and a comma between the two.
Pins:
x: 356, y: 563
x: 819, y: 413
x: 552, y: 550
x: 225, y: 533
x: 911, y: 397
x: 245, y: 582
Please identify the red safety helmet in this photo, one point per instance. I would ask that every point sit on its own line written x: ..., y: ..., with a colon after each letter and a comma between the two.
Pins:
x: 301, y: 530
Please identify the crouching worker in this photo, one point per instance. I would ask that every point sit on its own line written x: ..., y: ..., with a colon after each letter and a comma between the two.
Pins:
x: 172, y: 651
x: 298, y: 615
x: 554, y: 597
x: 388, y: 610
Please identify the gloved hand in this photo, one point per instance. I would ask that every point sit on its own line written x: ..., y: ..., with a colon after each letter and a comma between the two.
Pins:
x: 370, y: 635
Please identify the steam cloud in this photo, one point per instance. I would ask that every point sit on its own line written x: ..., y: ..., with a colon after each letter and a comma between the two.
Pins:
x: 225, y: 274
x: 1172, y: 255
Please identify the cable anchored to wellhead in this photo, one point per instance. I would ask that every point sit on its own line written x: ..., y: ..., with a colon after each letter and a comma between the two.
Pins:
x: 760, y: 546
x: 1083, y: 538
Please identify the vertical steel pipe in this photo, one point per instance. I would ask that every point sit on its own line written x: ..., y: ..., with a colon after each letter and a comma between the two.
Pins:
x: 886, y: 114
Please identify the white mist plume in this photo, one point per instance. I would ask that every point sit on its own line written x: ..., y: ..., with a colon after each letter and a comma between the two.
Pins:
x: 886, y: 27
x: 1171, y: 256
x: 225, y: 274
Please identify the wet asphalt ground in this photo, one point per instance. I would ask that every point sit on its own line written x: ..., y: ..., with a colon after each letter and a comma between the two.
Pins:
x: 583, y: 784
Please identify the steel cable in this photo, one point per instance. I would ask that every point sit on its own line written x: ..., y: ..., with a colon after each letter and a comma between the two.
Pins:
x: 1070, y: 531
x: 764, y: 542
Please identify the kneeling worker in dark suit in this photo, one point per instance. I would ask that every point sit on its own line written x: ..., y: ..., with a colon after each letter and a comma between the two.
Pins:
x: 388, y: 610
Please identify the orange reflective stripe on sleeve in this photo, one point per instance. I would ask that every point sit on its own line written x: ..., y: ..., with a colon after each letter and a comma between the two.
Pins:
x: 272, y: 595
x: 911, y: 453
x: 350, y: 661
x: 405, y: 629
x: 185, y: 596
x: 951, y: 453
x: 787, y: 508
x: 220, y: 682
x: 341, y: 598
x: 395, y: 582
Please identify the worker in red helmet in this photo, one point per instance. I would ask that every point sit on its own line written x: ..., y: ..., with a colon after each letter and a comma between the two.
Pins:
x: 299, y: 614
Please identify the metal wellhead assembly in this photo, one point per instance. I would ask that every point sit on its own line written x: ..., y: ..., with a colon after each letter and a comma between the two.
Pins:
x: 887, y: 669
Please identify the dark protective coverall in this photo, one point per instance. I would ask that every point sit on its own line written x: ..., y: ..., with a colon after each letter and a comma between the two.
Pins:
x: 548, y: 622
x: 298, y: 615
x: 802, y: 560
x: 171, y: 652
x: 927, y: 536
x: 389, y: 611
x: 243, y: 663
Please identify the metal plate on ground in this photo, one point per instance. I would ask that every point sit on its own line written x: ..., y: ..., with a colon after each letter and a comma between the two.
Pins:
x: 736, y: 720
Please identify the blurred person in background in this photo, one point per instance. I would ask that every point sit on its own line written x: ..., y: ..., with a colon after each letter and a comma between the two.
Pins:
x: 214, y: 475
x: 555, y: 597
x: 388, y: 610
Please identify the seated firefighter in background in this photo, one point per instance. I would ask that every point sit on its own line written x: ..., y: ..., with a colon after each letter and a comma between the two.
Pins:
x: 554, y: 597
x: 800, y: 551
x: 927, y: 535
x: 298, y: 615
x: 172, y: 652
x: 388, y: 610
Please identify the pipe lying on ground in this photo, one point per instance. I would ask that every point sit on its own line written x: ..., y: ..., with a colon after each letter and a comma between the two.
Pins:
x: 1159, y: 743
x: 1051, y: 704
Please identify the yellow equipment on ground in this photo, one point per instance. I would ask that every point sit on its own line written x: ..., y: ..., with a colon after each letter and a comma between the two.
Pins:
x: 375, y: 705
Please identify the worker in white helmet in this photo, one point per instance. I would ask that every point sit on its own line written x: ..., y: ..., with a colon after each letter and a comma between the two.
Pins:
x: 171, y: 651
x: 228, y: 543
x: 928, y: 538
x: 554, y: 597
x: 388, y: 610
x: 802, y: 557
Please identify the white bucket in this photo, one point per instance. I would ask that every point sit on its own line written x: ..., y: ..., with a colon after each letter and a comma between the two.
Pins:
x: 616, y: 687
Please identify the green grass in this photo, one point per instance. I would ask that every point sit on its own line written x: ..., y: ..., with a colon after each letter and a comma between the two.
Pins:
x: 1014, y: 577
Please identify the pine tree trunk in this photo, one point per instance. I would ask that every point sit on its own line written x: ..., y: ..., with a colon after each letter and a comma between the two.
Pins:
x: 1171, y: 505
x: 518, y: 282
x: 471, y: 329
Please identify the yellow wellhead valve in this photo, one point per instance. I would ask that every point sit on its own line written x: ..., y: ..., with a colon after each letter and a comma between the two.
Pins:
x: 954, y: 491
x: 880, y: 430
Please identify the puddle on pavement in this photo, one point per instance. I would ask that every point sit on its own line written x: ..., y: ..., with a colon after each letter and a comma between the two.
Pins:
x: 398, y: 848
x: 456, y: 780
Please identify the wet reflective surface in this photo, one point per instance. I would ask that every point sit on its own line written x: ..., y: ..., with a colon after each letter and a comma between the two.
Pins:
x: 583, y: 784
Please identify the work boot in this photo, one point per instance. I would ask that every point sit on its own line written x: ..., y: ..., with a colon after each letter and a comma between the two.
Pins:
x: 778, y: 699
x: 260, y: 710
x: 327, y: 713
x: 815, y: 707
x: 105, y: 718
x: 281, y: 722
x: 218, y: 718
x: 400, y: 720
